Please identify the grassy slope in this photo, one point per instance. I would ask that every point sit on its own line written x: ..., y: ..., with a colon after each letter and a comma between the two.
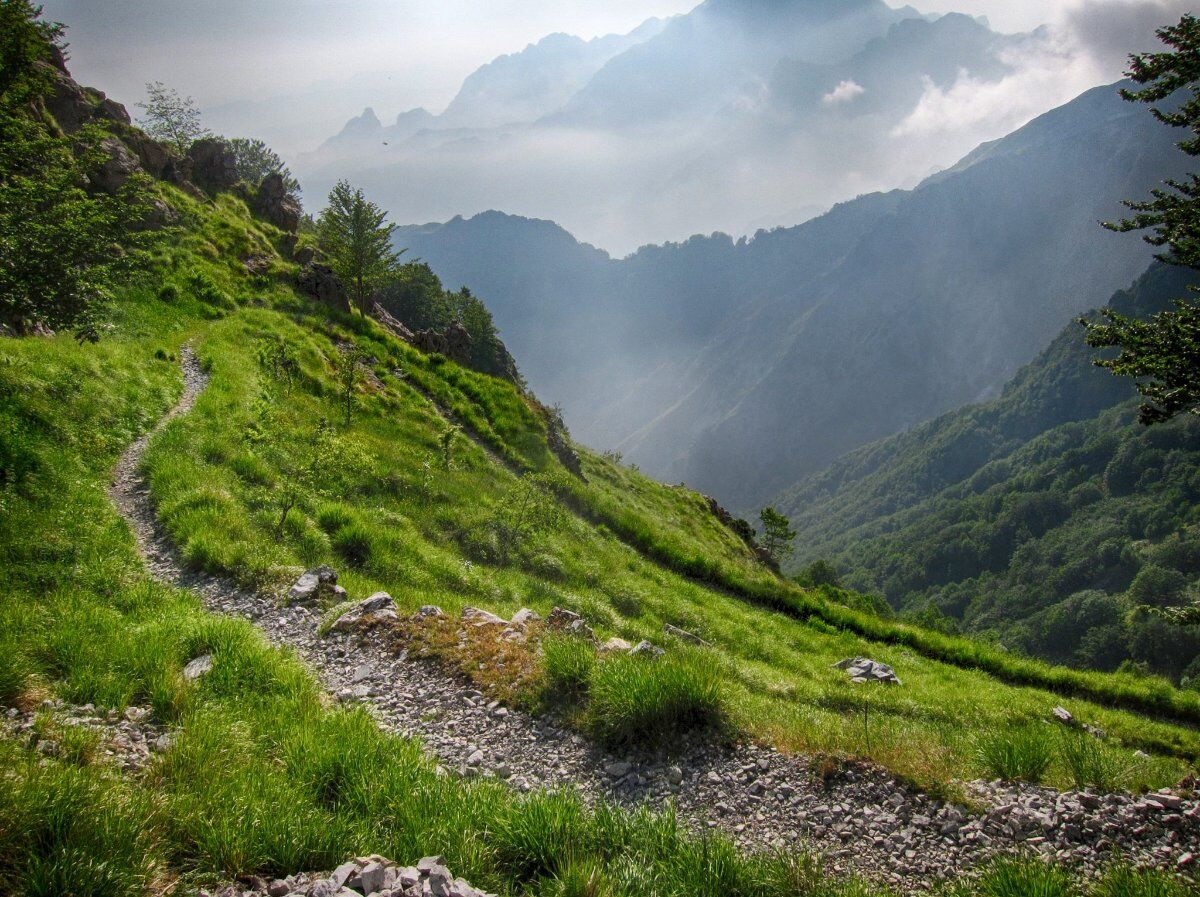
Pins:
x: 263, y: 777
x: 395, y: 520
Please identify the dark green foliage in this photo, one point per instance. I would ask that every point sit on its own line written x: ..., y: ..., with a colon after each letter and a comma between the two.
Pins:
x: 415, y: 296
x: 1163, y: 353
x: 777, y: 534
x: 819, y: 573
x: 1028, y: 519
x: 61, y: 246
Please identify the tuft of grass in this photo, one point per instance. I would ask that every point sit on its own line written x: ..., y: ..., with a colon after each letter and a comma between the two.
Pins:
x: 1123, y: 880
x: 568, y: 665
x: 354, y: 543
x: 646, y: 702
x: 1090, y: 763
x: 1022, y: 753
x: 1020, y: 877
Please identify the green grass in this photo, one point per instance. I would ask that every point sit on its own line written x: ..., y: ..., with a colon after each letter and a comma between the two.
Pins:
x: 392, y: 518
x: 1023, y: 753
x: 263, y: 777
x: 1027, y: 877
x: 646, y: 701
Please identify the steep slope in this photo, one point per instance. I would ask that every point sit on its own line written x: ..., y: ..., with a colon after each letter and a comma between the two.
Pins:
x: 1041, y: 517
x: 734, y: 366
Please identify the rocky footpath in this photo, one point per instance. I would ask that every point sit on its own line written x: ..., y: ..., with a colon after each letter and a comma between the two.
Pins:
x: 372, y: 876
x: 857, y: 814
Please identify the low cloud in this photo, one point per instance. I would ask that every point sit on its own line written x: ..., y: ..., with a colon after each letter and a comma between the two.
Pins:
x: 843, y: 93
x: 1109, y: 30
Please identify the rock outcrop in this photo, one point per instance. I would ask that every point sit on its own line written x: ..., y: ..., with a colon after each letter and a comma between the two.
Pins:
x: 275, y: 204
x: 861, y: 669
x: 214, y: 167
x: 365, y: 876
x: 319, y: 282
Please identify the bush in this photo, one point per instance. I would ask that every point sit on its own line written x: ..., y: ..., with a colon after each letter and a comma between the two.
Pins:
x: 168, y: 292
x: 646, y: 702
x: 1016, y: 754
x: 546, y: 566
x: 568, y: 664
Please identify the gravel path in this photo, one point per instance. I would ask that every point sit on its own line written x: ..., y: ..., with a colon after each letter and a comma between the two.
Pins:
x: 859, y: 817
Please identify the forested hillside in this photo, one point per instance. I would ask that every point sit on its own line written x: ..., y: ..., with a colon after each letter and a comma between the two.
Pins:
x: 733, y: 365
x: 1040, y: 519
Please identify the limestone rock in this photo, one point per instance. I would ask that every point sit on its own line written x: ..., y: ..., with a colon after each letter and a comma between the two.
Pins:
x: 646, y: 649
x: 117, y: 168
x: 214, y: 167
x: 616, y: 644
x: 479, y: 617
x: 198, y: 667
x: 862, y: 669
x: 319, y: 282
x: 683, y: 635
x: 275, y: 204
x: 378, y: 608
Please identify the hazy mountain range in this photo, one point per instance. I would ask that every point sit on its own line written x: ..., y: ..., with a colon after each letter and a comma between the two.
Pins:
x: 742, y: 366
x: 739, y: 114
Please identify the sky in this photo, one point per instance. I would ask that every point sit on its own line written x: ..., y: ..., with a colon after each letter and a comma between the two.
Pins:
x: 292, y: 72
x: 312, y: 64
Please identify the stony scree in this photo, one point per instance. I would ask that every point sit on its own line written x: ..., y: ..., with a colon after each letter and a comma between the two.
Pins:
x: 371, y: 876
x: 858, y: 815
x: 127, y: 739
x: 862, y: 669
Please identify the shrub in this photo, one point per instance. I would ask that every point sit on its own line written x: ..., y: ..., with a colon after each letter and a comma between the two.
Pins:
x: 168, y: 292
x: 1123, y: 880
x: 568, y: 664
x: 642, y: 701
x: 1016, y: 754
x: 546, y: 566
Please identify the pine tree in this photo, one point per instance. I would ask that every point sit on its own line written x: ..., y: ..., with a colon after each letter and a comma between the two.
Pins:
x: 778, y: 534
x: 356, y: 237
x: 1163, y: 354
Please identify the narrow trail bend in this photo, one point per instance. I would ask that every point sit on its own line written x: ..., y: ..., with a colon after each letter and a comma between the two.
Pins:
x: 861, y: 819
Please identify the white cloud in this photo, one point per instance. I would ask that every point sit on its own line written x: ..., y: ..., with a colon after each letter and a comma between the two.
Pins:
x: 843, y: 93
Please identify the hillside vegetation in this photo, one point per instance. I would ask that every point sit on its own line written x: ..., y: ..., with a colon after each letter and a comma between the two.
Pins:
x: 1041, y: 519
x: 359, y: 464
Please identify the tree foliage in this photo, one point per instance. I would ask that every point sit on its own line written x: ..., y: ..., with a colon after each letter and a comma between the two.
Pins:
x: 61, y: 243
x: 256, y: 160
x: 171, y: 118
x: 416, y: 297
x: 1163, y: 353
x: 356, y: 237
x: 778, y: 534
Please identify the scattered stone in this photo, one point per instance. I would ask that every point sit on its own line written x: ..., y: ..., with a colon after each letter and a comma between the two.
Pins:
x: 863, y: 669
x: 378, y: 608
x: 683, y: 635
x: 198, y: 667
x: 1063, y: 715
x: 525, y: 616
x: 646, y: 649
x: 429, y: 611
x: 617, y: 644
x: 568, y: 621
x: 482, y: 617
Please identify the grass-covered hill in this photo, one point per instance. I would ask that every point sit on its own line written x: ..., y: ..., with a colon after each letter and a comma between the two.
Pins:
x: 439, y: 484
x: 1041, y: 518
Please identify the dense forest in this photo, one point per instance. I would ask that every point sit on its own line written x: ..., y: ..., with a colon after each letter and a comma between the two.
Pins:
x: 1047, y: 519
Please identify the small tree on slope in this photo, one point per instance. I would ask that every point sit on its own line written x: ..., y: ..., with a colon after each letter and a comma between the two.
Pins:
x: 778, y: 534
x: 356, y: 237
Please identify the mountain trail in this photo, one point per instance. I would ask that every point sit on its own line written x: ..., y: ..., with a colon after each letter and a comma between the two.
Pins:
x: 857, y: 815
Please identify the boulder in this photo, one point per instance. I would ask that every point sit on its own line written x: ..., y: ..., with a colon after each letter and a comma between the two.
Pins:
x: 319, y: 282
x: 275, y: 204
x: 431, y: 342
x: 214, y: 167
x: 862, y: 669
x: 379, y: 608
x: 305, y: 255
x: 458, y: 343
x: 525, y: 616
x: 117, y: 168
x: 1063, y: 715
x: 482, y: 617
x: 616, y: 644
x: 198, y: 667
x: 153, y: 156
